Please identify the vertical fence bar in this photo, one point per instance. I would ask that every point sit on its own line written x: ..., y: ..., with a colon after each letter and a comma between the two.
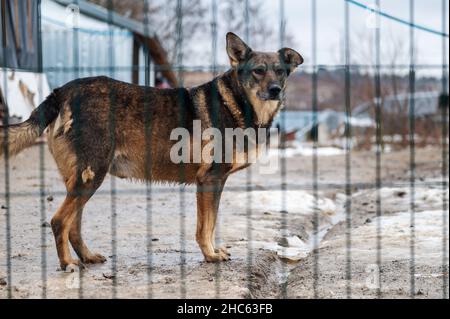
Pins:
x: 214, y: 35
x: 182, y: 170
x: 444, y: 115
x: 76, y: 115
x: 148, y: 156
x: 379, y: 139
x: 282, y: 26
x: 282, y: 36
x: 42, y: 165
x: 215, y: 110
x: 348, y: 150
x: 247, y: 21
x: 412, y: 150
x: 112, y: 132
x: 315, y: 176
x: 7, y: 164
x: 248, y: 172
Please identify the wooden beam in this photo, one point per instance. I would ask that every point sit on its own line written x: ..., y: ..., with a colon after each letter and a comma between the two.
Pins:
x: 159, y: 56
x: 135, y: 62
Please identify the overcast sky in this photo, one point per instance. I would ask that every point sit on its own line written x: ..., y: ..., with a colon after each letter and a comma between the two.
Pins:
x: 330, y: 27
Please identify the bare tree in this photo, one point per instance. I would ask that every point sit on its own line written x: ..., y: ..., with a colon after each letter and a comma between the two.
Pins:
x: 395, y: 57
x: 261, y: 28
x: 133, y: 9
x: 162, y: 18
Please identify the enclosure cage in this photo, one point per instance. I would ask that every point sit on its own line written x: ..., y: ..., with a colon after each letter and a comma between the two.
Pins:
x: 317, y: 227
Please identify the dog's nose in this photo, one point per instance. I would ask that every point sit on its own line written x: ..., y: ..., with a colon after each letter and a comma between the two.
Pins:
x: 274, y: 91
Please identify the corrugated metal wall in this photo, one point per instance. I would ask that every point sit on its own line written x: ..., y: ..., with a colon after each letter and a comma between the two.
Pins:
x: 19, y: 34
x: 94, y: 48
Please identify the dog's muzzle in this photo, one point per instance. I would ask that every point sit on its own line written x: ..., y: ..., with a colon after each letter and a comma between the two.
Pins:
x: 273, y: 94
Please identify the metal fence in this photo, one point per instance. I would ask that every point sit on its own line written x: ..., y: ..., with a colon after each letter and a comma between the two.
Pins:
x: 75, y: 69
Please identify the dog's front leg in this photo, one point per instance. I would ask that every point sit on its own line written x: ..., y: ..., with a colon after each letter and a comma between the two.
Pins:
x: 209, y: 190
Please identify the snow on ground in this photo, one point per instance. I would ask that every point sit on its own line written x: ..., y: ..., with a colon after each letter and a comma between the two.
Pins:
x: 427, y: 207
x: 391, y: 273
x: 399, y: 231
x: 292, y: 201
x: 395, y: 233
x: 396, y: 230
x: 404, y: 239
x: 303, y: 204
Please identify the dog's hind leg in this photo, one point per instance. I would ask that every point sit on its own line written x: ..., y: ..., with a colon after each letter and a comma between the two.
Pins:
x: 76, y: 240
x: 61, y: 223
x: 66, y: 224
x: 209, y: 191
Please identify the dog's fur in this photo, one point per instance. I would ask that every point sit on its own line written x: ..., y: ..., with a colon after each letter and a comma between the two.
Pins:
x: 98, y: 126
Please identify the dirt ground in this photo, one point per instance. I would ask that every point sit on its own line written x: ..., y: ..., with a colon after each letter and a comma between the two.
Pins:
x: 268, y: 231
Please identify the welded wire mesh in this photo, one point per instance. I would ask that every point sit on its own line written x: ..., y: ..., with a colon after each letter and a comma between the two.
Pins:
x: 77, y: 68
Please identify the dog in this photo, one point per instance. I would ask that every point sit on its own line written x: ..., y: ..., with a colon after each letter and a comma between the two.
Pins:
x: 97, y: 126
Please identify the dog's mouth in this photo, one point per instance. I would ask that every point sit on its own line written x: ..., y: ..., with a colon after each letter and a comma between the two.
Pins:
x: 265, y: 97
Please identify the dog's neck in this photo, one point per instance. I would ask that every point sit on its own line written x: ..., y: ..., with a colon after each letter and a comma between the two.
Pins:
x: 264, y: 112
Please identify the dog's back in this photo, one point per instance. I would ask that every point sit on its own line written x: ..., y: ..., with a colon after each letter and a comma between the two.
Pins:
x: 110, y: 125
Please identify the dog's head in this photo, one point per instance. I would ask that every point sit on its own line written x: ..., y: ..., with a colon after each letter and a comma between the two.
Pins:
x: 262, y: 75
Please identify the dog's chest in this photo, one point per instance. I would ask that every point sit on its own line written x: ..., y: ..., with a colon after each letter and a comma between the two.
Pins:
x: 265, y: 110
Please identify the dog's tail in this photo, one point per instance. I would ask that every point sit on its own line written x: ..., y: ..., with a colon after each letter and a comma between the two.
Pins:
x: 16, y: 138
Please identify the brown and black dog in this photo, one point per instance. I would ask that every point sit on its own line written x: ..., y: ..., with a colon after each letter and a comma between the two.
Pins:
x: 98, y: 126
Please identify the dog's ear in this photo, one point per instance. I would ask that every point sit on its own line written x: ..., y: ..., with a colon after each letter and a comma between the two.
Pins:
x: 291, y: 58
x: 237, y: 50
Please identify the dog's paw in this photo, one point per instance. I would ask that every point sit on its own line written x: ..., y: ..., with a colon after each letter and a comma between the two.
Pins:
x: 94, y: 259
x: 222, y: 250
x: 73, y: 266
x: 219, y: 256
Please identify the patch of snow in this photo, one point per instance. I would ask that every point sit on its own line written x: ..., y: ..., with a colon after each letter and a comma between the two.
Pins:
x: 293, y: 241
x: 297, y: 202
x: 292, y: 254
x: 291, y: 201
x: 396, y: 238
x: 395, y: 227
x: 361, y: 122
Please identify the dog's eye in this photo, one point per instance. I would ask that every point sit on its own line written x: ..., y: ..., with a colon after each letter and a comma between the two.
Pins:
x: 259, y: 71
x: 279, y: 72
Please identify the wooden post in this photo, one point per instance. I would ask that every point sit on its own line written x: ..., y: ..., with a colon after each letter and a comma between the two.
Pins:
x: 135, y: 62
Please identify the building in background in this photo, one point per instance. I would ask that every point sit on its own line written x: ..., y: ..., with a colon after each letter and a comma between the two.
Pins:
x: 60, y: 41
x: 22, y: 85
x: 87, y: 40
